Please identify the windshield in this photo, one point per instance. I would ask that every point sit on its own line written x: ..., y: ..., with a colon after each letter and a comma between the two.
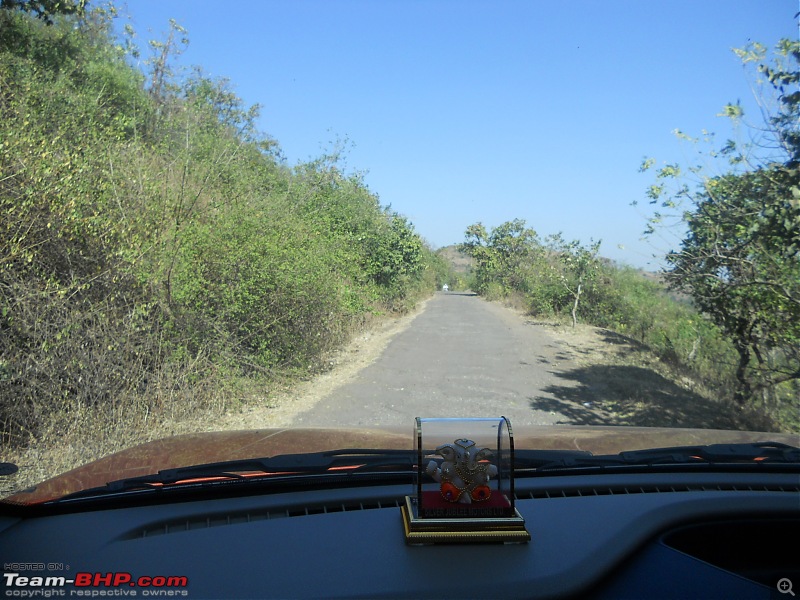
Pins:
x: 330, y: 218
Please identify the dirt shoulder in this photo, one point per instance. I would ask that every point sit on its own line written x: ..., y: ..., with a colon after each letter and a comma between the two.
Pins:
x: 617, y: 381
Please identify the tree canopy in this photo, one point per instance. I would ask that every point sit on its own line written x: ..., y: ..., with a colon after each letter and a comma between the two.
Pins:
x: 740, y: 258
x: 46, y: 10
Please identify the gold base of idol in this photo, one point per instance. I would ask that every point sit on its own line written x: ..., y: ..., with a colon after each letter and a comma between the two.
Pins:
x: 508, y: 530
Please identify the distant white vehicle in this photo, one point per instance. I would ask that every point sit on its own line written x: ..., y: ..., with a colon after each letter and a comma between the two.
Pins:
x: 445, y: 287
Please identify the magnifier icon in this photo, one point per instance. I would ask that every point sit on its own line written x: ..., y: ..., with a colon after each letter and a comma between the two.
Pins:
x: 785, y: 586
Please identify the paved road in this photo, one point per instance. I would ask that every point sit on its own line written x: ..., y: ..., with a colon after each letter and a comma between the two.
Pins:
x: 461, y: 357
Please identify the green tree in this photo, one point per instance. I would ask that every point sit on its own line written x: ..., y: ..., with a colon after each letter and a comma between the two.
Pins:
x: 741, y: 264
x: 515, y: 246
x: 740, y: 259
x: 402, y: 252
x: 476, y: 245
x: 46, y: 10
x: 162, y: 75
x: 502, y: 255
x: 578, y: 267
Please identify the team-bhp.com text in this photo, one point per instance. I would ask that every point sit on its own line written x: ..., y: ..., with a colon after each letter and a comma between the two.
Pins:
x: 95, y: 585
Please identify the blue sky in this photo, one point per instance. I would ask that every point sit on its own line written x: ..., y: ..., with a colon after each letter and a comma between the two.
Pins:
x: 465, y: 111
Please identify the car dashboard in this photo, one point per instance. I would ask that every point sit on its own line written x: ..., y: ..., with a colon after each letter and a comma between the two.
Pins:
x: 623, y: 535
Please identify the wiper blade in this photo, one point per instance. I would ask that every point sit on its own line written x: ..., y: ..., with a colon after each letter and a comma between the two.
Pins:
x: 536, y: 459
x: 747, y: 453
x: 760, y: 452
x: 336, y: 462
x: 356, y: 462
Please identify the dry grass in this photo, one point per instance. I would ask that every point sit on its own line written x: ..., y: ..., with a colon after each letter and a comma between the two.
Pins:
x: 79, y: 435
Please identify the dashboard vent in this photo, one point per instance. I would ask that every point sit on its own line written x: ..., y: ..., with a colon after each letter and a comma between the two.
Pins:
x: 649, y: 489
x: 251, y: 516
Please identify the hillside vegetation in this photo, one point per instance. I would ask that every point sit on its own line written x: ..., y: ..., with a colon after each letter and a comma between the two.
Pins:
x: 157, y: 255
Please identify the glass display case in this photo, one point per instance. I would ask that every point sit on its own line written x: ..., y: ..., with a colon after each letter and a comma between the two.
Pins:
x: 464, y: 488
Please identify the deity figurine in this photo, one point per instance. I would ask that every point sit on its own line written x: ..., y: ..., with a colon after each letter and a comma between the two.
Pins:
x: 465, y: 472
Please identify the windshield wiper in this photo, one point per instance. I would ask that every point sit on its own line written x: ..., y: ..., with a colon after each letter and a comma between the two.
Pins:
x: 716, y: 454
x: 359, y: 464
x: 345, y: 463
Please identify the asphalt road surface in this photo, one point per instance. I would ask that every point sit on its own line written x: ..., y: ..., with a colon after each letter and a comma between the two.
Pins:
x: 461, y: 357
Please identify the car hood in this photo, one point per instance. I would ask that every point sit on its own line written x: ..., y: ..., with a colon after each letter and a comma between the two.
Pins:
x: 200, y: 448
